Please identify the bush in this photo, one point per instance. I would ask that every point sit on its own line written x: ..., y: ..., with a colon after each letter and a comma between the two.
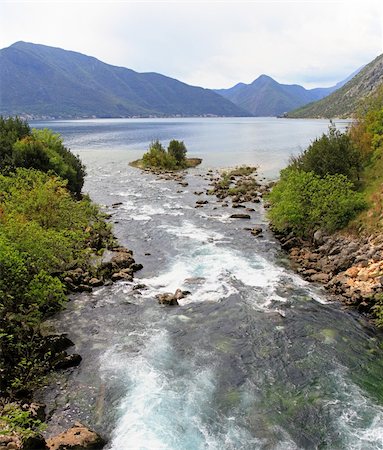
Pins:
x: 178, y: 150
x: 63, y: 162
x: 303, y: 202
x: 171, y: 159
x: 332, y: 153
x: 38, y: 149
x: 11, y: 130
x: 45, y: 223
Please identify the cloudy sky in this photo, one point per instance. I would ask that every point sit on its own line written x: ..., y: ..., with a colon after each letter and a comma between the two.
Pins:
x: 208, y: 43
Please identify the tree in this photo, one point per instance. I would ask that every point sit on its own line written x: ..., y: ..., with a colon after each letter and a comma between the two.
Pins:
x: 178, y: 150
x: 11, y: 130
x: 332, y: 153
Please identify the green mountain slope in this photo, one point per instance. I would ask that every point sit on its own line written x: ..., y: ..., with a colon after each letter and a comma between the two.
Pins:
x: 45, y: 81
x: 344, y: 102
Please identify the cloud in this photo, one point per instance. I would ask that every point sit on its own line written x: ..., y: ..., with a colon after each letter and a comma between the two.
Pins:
x: 210, y: 44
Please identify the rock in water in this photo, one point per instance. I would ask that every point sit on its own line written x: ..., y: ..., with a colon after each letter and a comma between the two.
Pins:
x: 240, y: 216
x: 256, y: 230
x: 167, y: 299
x: 171, y: 299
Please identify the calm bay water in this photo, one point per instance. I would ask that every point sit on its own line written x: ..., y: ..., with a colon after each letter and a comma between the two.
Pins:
x: 221, y: 142
x: 254, y: 357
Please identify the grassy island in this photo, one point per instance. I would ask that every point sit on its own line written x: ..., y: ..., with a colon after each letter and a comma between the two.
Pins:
x: 173, y: 158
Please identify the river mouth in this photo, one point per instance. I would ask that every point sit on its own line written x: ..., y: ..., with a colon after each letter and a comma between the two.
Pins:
x: 253, y: 358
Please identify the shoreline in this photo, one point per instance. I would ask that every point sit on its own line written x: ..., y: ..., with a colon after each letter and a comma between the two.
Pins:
x: 348, y: 267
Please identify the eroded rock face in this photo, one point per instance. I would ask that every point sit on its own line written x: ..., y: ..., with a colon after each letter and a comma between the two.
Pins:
x: 79, y: 437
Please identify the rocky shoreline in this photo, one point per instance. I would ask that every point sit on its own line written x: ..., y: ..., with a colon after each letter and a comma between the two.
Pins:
x: 349, y: 267
x: 116, y: 263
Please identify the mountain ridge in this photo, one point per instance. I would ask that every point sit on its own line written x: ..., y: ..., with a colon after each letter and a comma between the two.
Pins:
x: 266, y: 97
x: 48, y: 81
x: 344, y: 101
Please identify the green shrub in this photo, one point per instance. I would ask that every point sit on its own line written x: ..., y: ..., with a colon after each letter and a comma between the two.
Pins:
x: 171, y: 159
x: 178, y: 150
x: 303, y: 202
x: 38, y: 149
x: 11, y: 130
x: 14, y: 419
x: 332, y: 153
x: 63, y: 162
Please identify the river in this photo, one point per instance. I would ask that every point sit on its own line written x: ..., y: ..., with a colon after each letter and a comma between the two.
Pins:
x: 254, y: 357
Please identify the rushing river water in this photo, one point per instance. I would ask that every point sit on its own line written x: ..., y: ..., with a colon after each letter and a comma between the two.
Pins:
x: 254, y: 357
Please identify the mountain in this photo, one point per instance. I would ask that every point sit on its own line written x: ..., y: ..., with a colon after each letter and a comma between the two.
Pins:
x: 38, y: 80
x: 344, y: 102
x: 266, y: 97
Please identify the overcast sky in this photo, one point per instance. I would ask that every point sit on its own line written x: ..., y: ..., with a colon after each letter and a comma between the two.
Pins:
x: 213, y: 44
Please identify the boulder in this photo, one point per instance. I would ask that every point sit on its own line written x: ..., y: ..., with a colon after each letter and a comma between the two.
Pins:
x: 84, y: 288
x: 122, y: 260
x: 122, y: 275
x: 64, y: 361
x: 167, y: 299
x: 201, y: 202
x: 95, y: 282
x: 79, y: 437
x: 136, y: 267
x: 320, y: 277
x: 171, y: 299
x: 56, y: 343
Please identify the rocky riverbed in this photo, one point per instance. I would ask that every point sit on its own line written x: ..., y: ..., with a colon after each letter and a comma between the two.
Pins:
x: 251, y: 356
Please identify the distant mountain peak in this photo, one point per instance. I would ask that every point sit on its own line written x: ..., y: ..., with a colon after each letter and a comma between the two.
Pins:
x: 266, y: 97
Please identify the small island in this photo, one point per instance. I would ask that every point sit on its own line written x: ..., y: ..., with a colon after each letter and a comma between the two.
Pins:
x: 159, y: 159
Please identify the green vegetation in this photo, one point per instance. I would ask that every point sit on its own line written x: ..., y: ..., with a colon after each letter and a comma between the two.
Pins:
x: 337, y: 184
x: 172, y: 158
x: 333, y: 153
x: 158, y: 157
x: 45, y: 230
x: 15, y: 419
x: 38, y: 149
x: 303, y: 202
x: 367, y: 134
x: 325, y: 186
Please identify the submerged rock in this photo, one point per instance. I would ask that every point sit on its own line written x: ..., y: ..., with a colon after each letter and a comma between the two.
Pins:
x: 257, y: 230
x: 240, y: 216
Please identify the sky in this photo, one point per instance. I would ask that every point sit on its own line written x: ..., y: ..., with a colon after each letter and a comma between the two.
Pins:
x: 213, y: 44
